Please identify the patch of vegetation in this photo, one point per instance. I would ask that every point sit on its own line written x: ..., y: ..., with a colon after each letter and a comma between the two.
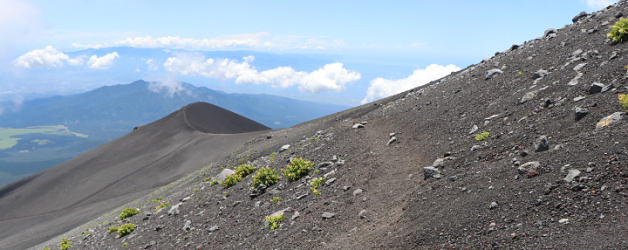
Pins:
x: 275, y: 200
x: 231, y: 180
x: 482, y: 136
x: 207, y: 179
x: 65, y: 244
x: 46, y: 248
x: 195, y: 190
x: 105, y: 223
x: 272, y: 156
x: 273, y: 221
x: 297, y: 168
x: 128, y: 212
x: 112, y: 229
x: 315, y: 183
x: 623, y: 100
x: 126, y: 229
x: 265, y: 176
x: 162, y: 205
x: 213, y: 183
x: 9, y: 136
x: 245, y: 169
x: 316, y: 171
x: 619, y: 31
x: 156, y: 200
x: 125, y: 244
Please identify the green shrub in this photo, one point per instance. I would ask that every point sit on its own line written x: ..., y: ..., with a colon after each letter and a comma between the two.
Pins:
x: 482, y: 136
x: 623, y: 100
x: 128, y: 212
x: 156, y: 200
x: 265, y: 176
x: 619, y: 31
x: 272, y: 156
x: 162, y: 205
x: 46, y: 248
x: 275, y: 200
x: 126, y: 229
x: 315, y: 183
x: 297, y: 168
x: 245, y: 169
x: 231, y: 180
x: 273, y: 221
x: 207, y: 179
x: 64, y: 244
x: 112, y: 229
x: 125, y: 244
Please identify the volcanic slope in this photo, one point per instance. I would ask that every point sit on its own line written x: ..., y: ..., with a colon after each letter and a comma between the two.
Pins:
x: 441, y: 182
x: 70, y: 194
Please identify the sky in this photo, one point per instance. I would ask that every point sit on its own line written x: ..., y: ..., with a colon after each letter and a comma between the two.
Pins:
x: 364, y: 50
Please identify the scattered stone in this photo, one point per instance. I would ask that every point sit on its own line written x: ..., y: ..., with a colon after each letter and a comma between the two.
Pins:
x: 578, y: 17
x: 571, y: 174
x: 213, y: 229
x: 329, y: 174
x: 362, y: 214
x: 334, y: 158
x: 580, y: 113
x: 579, y: 67
x: 614, y: 55
x: 223, y: 174
x: 187, y: 225
x: 438, y: 163
x: 563, y: 221
x: 357, y: 192
x: 529, y: 168
x: 608, y: 120
x: 302, y: 196
x: 431, y: 172
x: 284, y: 148
x: 158, y: 228
x: 328, y: 215
x: 541, y: 144
x: 473, y: 129
x: 514, y: 47
x: 493, y: 205
x: 392, y: 140
x: 324, y: 164
x: 391, y: 135
x: 261, y: 189
x: 150, y: 244
x: 528, y: 96
x: 475, y: 147
x: 453, y: 178
x: 330, y: 181
x: 345, y: 188
x: 295, y: 215
x: 548, y: 32
x: 578, y: 98
x: 574, y: 81
x: 357, y: 125
x: 596, y: 87
x: 174, y: 210
x: 540, y: 74
x: 607, y: 87
x: 492, y: 72
x: 619, y: 14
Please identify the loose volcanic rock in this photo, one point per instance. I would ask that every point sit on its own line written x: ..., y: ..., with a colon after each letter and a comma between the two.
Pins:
x: 328, y: 215
x: 357, y: 125
x: 579, y: 17
x: 529, y: 168
x: 596, y: 87
x: 609, y: 120
x: 580, y: 113
x: 571, y: 174
x: 541, y: 144
x: 431, y: 172
x: 492, y: 72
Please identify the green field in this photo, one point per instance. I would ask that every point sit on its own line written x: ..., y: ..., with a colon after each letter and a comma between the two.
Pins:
x: 9, y: 137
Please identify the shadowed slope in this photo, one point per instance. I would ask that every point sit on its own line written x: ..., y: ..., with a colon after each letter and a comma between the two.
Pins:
x: 153, y: 155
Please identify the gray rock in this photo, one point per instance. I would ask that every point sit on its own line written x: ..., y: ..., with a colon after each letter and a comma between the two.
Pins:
x: 302, y: 196
x: 541, y: 144
x: 578, y: 98
x: 576, y: 53
x: 609, y: 120
x: 492, y: 72
x: 574, y: 81
x: 324, y: 164
x: 493, y: 205
x: 357, y: 125
x: 357, y: 192
x: 187, y: 225
x: 295, y: 215
x: 607, y: 87
x: 392, y: 140
x: 529, y: 168
x: 596, y: 87
x: 213, y: 229
x: 174, y: 210
x: 619, y: 14
x: 580, y: 113
x: 579, y: 67
x: 473, y: 129
x: 362, y: 214
x: 528, y: 96
x: 563, y: 221
x: 438, y: 163
x: 614, y: 55
x: 328, y: 215
x: 540, y: 74
x: 223, y: 174
x: 284, y: 148
x: 579, y: 17
x: 548, y: 32
x: 431, y: 172
x: 330, y: 181
x: 571, y: 174
x: 475, y: 147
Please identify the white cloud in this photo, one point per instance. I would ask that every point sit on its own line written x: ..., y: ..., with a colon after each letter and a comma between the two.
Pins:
x: 170, y: 87
x: 151, y: 65
x: 46, y: 57
x: 20, y: 26
x: 261, y: 40
x: 599, y: 4
x: 330, y: 77
x: 381, y: 87
x: 103, y: 62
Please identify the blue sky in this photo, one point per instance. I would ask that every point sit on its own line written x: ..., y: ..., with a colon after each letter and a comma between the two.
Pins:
x: 399, y: 44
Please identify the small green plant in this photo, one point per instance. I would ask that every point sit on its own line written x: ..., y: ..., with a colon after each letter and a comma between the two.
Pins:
x: 64, y: 244
x: 207, y: 179
x: 272, y: 156
x: 125, y: 244
x: 519, y: 73
x: 265, y: 176
x: 315, y: 183
x: 112, y: 229
x: 316, y: 171
x: 126, y: 229
x: 105, y: 223
x: 275, y: 200
x: 619, y: 31
x: 213, y: 183
x: 297, y: 168
x: 128, y: 212
x: 623, y: 100
x: 231, y: 180
x: 156, y: 200
x: 46, y: 248
x: 162, y: 205
x: 245, y: 169
x: 195, y: 190
x: 273, y: 221
x: 482, y: 136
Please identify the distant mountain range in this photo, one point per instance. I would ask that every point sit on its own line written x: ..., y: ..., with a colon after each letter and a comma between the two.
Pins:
x: 109, y: 112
